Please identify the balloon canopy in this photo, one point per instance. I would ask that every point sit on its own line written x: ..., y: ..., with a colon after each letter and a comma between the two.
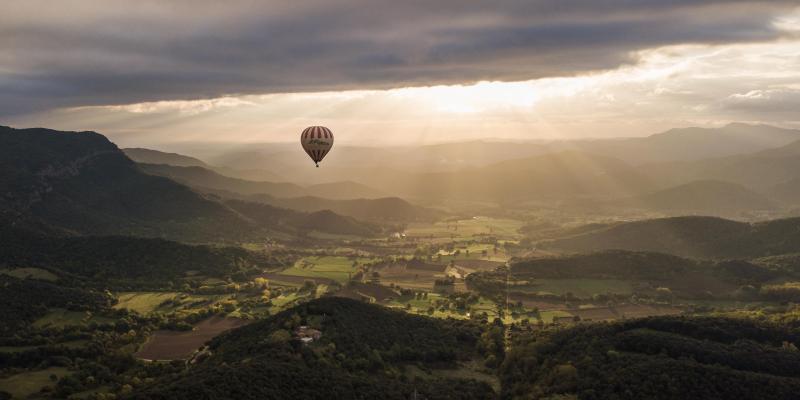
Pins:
x: 317, y: 142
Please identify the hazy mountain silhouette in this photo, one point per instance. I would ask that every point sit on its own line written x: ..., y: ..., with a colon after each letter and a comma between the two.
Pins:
x: 80, y: 182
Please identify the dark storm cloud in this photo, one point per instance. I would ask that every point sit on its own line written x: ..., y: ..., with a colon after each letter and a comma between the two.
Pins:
x: 76, y: 53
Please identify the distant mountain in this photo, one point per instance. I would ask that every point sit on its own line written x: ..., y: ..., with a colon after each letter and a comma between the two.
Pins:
x: 344, y: 190
x: 203, y: 179
x: 550, y: 176
x: 383, y: 209
x: 148, y: 156
x: 707, y: 197
x: 762, y: 170
x: 322, y: 221
x: 374, y: 164
x: 357, y: 352
x: 689, y: 144
x: 81, y: 183
x: 701, y: 237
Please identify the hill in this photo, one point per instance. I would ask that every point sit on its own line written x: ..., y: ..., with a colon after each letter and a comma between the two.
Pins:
x: 392, y: 209
x: 762, y: 170
x: 203, y: 179
x: 702, y: 237
x: 301, y: 223
x: 690, y: 144
x: 126, y: 262
x: 706, y: 197
x: 362, y: 353
x: 148, y: 156
x: 550, y: 176
x: 656, y: 358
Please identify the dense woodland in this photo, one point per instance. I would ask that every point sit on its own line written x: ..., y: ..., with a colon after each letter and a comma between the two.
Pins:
x: 656, y: 358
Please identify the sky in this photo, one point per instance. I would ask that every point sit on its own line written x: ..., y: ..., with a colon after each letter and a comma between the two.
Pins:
x: 165, y: 74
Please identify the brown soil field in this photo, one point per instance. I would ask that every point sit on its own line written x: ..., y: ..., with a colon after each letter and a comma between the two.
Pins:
x: 531, y: 301
x: 171, y: 345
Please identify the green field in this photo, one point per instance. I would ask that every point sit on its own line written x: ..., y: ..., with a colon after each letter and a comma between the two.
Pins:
x: 27, y: 383
x: 59, y: 317
x: 337, y: 268
x: 30, y: 273
x: 143, y: 302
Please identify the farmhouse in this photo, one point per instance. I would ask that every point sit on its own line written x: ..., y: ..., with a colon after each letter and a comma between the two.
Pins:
x: 306, y: 334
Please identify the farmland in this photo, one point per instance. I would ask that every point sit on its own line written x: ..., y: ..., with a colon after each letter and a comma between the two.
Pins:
x: 30, y: 273
x: 335, y: 268
x: 27, y: 383
x: 170, y: 345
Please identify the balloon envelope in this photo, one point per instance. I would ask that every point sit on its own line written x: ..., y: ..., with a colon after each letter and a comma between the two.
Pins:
x: 317, y: 142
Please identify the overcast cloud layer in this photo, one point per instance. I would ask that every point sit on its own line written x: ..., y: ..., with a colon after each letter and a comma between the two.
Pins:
x: 81, y: 53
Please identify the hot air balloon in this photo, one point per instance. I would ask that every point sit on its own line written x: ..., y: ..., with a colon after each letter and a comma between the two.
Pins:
x: 317, y: 142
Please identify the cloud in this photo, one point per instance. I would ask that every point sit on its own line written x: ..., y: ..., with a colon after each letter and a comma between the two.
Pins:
x: 781, y: 100
x: 84, y: 53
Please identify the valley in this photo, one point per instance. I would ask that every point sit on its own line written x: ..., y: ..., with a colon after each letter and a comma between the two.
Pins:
x: 135, y: 301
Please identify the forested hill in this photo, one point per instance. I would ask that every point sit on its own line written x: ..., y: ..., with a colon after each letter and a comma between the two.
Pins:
x: 701, y: 237
x: 362, y: 354
x: 126, y: 261
x: 656, y: 358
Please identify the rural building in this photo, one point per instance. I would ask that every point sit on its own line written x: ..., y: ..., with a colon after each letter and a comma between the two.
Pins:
x: 306, y: 334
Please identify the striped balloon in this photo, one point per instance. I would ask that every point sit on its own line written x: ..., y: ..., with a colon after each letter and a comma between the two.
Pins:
x: 317, y: 142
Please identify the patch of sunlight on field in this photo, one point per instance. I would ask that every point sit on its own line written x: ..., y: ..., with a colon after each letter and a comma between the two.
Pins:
x: 59, y: 317
x: 282, y: 302
x: 27, y: 383
x: 30, y: 273
x: 547, y: 316
x: 143, y: 302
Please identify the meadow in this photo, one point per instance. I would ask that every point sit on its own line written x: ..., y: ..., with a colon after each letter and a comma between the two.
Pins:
x: 25, y: 384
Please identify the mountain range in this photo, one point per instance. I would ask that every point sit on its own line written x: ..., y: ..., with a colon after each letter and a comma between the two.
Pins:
x: 81, y: 183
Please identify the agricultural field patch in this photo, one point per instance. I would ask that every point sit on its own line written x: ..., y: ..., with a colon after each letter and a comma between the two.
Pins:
x: 30, y: 273
x: 337, y: 268
x: 143, y: 302
x: 59, y: 318
x: 27, y: 383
